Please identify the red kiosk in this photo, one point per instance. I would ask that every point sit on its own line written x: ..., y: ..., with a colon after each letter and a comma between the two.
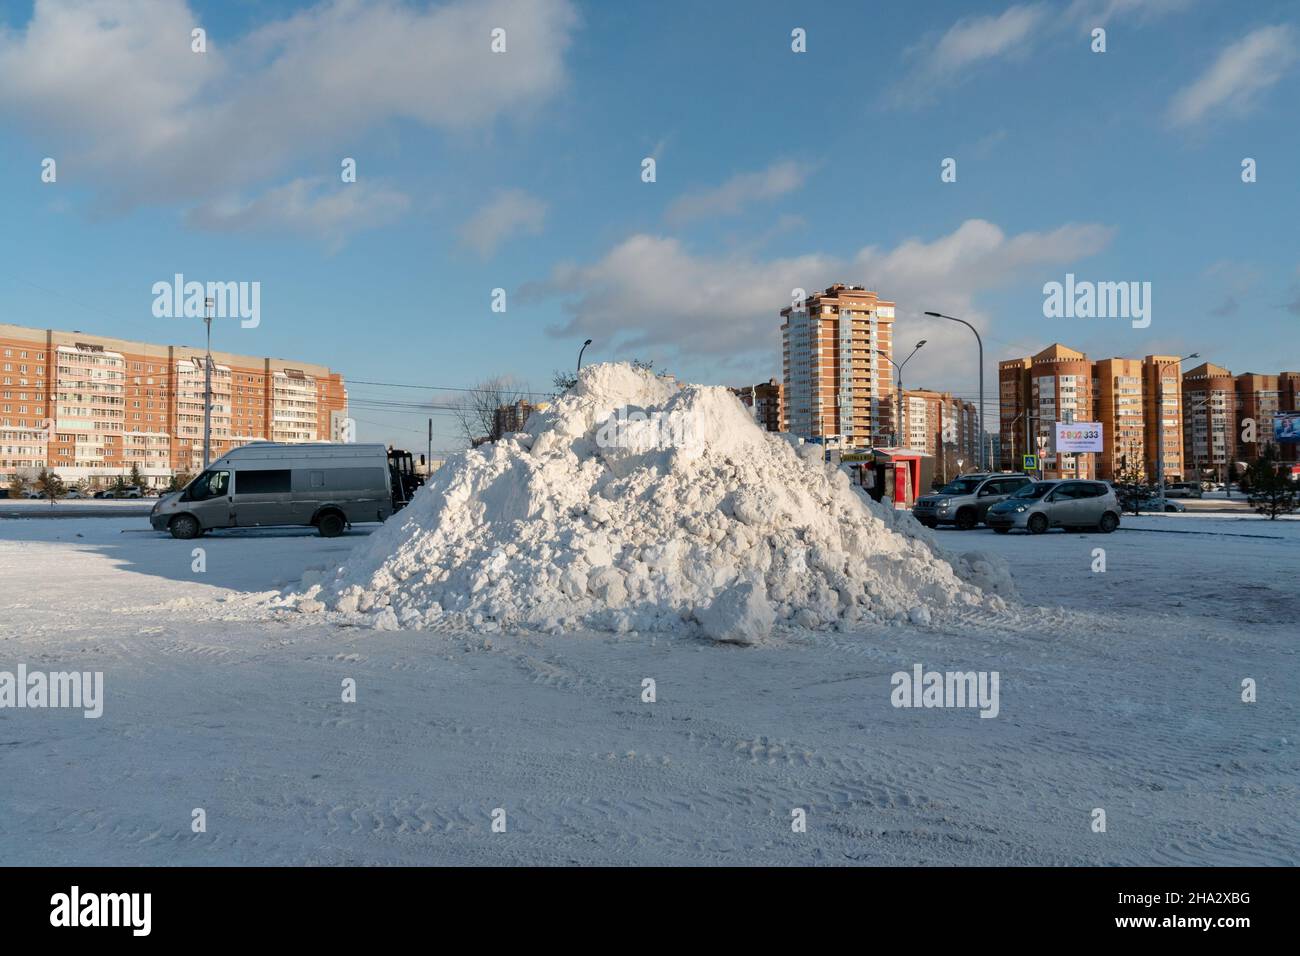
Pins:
x: 898, y: 476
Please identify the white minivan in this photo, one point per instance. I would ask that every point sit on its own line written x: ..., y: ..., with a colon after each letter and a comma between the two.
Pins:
x: 326, y: 485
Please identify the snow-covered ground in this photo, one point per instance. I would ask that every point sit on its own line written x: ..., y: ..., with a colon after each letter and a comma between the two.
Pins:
x: 1119, y: 690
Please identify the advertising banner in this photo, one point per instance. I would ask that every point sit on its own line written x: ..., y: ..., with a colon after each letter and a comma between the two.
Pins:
x: 1078, y: 436
x: 1286, y: 428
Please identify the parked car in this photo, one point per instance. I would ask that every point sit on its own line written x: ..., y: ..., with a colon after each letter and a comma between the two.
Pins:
x: 130, y: 491
x: 966, y: 500
x: 1058, y: 504
x: 74, y: 493
x: 1154, y: 503
x: 327, y: 486
x: 33, y: 493
x: 1184, y: 489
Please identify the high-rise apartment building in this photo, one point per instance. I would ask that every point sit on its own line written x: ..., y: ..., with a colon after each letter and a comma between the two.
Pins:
x: 1258, y: 400
x: 1162, y: 415
x: 1288, y: 393
x: 1209, y: 420
x: 1119, y: 408
x: 1014, y: 413
x: 88, y: 406
x: 838, y: 387
x: 766, y: 401
x: 1060, y: 389
x: 942, y: 426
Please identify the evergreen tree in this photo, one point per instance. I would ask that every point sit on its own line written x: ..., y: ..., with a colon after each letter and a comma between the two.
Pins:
x: 1272, y: 492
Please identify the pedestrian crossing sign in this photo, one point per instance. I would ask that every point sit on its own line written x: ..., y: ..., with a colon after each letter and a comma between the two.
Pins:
x: 1029, y: 462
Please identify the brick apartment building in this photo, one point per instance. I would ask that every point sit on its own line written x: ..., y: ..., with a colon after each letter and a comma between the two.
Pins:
x: 766, y: 402
x: 942, y: 426
x: 1172, y: 425
x: 91, y: 407
x: 837, y: 388
x: 508, y: 419
x: 1052, y: 386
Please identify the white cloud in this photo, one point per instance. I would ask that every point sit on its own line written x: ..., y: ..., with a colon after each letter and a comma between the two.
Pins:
x: 940, y: 64
x: 512, y: 213
x: 1098, y: 13
x: 650, y: 292
x: 314, y: 207
x: 1234, y: 80
x: 731, y: 197
x: 113, y: 88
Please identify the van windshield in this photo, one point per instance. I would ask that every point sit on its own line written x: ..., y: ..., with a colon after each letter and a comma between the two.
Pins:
x: 1036, y: 490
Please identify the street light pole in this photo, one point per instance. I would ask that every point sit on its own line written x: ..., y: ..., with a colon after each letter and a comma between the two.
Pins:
x: 898, y: 425
x: 1160, y: 423
x: 980, y: 343
x: 207, y: 387
x: 580, y: 351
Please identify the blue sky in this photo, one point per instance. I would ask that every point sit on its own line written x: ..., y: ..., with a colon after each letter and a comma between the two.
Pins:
x: 775, y: 169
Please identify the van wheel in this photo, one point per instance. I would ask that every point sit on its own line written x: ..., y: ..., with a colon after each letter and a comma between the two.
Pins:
x: 184, y: 527
x: 1108, y: 523
x: 965, y: 519
x: 1037, y: 524
x: 330, y: 525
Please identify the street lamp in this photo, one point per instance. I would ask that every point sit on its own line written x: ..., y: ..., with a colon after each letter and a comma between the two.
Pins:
x: 1160, y: 427
x: 898, y: 425
x: 979, y: 342
x: 580, y: 351
x: 207, y: 386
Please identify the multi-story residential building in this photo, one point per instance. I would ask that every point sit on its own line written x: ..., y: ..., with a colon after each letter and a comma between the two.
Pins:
x: 766, y: 402
x: 508, y: 419
x: 1060, y: 390
x: 1162, y: 414
x: 942, y: 426
x: 1014, y: 412
x: 1288, y: 393
x: 1258, y: 400
x: 838, y: 386
x: 1119, y: 408
x: 89, y: 406
x: 1209, y: 420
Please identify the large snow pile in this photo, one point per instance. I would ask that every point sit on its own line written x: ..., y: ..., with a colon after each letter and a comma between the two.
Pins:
x: 634, y: 504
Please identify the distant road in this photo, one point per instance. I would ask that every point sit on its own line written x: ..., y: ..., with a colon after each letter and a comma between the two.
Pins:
x: 77, y: 508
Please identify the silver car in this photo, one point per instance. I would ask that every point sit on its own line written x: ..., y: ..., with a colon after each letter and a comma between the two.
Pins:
x: 965, y: 500
x: 1057, y: 504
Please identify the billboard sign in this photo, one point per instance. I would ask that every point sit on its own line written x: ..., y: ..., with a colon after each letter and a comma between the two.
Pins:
x: 1074, y: 437
x: 1286, y: 428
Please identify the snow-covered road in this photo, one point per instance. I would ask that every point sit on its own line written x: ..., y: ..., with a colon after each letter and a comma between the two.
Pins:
x: 1123, y: 692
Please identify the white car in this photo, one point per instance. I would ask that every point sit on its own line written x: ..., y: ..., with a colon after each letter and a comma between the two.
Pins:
x: 1162, y: 504
x: 73, y: 493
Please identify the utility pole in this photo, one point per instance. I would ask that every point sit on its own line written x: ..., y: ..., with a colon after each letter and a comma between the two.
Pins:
x: 980, y: 343
x: 428, y: 461
x: 207, y: 386
x: 1160, y: 420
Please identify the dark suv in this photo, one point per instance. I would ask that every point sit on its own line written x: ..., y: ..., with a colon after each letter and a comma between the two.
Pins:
x: 966, y: 500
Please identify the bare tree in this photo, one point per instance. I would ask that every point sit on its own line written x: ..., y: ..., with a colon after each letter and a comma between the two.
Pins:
x: 476, y: 409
